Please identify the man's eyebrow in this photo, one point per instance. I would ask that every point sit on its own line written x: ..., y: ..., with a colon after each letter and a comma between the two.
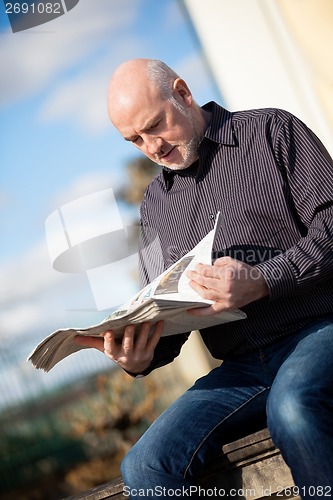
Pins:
x: 148, y: 125
x: 130, y: 139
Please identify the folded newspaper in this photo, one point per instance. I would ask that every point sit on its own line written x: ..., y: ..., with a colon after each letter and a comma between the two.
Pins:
x: 167, y: 298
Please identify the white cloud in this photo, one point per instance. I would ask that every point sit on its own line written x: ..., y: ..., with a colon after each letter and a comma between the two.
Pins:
x: 83, y: 97
x: 35, y: 298
x: 24, y: 317
x: 89, y: 183
x: 26, y: 281
x: 27, y: 275
x: 69, y: 40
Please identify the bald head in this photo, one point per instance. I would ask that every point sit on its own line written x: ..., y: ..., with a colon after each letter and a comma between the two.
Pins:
x: 134, y: 77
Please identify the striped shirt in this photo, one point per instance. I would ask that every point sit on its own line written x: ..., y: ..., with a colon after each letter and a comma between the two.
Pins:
x: 272, y: 181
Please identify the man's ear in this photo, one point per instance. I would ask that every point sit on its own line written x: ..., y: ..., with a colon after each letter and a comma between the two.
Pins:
x: 182, y: 91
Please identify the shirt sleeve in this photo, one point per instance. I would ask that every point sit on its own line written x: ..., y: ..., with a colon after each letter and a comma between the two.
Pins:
x: 308, y: 171
x: 166, y: 351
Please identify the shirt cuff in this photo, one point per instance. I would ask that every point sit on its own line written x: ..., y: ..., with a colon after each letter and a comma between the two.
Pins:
x: 147, y: 371
x: 137, y: 375
x: 279, y: 276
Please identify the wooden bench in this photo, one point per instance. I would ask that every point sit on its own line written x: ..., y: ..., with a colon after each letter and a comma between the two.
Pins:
x: 250, y: 468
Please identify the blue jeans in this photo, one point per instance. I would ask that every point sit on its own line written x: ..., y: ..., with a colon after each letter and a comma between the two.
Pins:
x: 287, y: 386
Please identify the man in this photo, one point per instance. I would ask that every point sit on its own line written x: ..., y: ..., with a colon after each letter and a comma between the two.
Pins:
x: 272, y: 180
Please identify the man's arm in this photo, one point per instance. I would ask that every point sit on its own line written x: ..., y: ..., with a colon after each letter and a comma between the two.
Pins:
x: 308, y: 171
x: 309, y: 175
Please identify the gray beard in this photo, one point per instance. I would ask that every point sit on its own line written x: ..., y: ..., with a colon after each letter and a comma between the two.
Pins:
x: 191, y: 155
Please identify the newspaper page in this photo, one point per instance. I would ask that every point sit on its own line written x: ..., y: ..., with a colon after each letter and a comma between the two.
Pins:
x: 167, y: 298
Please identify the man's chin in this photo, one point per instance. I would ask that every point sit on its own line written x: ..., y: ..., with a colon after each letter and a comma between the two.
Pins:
x: 182, y: 165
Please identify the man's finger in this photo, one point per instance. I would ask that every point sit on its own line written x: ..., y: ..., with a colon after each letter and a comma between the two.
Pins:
x: 94, y: 342
x: 108, y: 342
x: 225, y: 261
x: 142, y: 337
x: 128, y: 338
x: 215, y: 308
x: 204, y: 281
x: 210, y: 293
x: 156, y: 335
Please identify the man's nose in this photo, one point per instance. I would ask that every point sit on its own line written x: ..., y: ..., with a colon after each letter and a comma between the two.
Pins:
x: 154, y: 144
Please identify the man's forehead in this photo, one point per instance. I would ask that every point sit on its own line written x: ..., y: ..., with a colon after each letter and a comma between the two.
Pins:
x: 133, y: 115
x: 132, y: 99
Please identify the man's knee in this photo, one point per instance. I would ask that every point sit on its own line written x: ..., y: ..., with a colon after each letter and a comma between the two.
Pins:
x: 128, y: 467
x: 291, y: 413
x: 143, y: 458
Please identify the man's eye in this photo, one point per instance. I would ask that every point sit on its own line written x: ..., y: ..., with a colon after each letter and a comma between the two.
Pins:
x: 154, y: 125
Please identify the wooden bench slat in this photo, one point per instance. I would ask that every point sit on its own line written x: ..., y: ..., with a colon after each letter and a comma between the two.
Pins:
x: 251, y: 465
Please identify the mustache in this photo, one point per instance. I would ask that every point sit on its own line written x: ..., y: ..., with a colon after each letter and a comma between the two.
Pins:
x: 165, y: 152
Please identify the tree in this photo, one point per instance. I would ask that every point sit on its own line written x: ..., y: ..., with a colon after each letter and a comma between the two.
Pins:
x: 141, y: 172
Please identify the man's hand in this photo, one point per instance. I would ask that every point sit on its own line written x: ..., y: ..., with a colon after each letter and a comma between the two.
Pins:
x: 229, y: 283
x: 134, y: 352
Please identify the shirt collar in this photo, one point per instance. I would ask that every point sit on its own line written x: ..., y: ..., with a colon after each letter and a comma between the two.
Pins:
x: 220, y: 127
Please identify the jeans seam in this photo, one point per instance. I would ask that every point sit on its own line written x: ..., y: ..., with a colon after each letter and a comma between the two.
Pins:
x: 217, y: 425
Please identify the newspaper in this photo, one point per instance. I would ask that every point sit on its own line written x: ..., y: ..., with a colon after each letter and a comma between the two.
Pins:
x: 167, y: 298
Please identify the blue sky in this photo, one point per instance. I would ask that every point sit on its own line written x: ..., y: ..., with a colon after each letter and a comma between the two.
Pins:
x: 57, y: 144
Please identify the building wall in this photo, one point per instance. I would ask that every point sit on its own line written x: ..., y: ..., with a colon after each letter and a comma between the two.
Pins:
x: 311, y: 25
x: 271, y: 53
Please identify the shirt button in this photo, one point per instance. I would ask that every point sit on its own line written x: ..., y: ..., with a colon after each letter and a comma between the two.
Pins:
x: 211, y: 216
